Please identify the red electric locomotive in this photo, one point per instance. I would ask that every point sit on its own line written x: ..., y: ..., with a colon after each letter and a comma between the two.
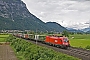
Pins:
x: 62, y: 42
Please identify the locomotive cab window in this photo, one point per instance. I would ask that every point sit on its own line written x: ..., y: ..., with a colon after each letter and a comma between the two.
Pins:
x: 65, y: 40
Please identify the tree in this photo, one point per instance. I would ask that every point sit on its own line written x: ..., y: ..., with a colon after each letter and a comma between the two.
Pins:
x: 65, y: 33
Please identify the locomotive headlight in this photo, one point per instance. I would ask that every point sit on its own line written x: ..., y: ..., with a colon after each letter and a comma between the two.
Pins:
x: 63, y: 43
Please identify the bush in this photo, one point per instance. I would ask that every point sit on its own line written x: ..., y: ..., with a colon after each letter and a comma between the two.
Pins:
x: 88, y: 47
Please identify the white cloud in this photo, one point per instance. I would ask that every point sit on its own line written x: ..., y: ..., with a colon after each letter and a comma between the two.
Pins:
x: 71, y: 12
x: 80, y: 25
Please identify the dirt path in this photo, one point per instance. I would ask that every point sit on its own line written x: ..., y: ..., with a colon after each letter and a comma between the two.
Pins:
x: 6, y: 53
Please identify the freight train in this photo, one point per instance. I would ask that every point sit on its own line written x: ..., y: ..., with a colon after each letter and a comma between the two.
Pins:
x: 58, y: 41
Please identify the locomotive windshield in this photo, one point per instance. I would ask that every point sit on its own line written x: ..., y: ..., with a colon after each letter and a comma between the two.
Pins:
x: 65, y: 40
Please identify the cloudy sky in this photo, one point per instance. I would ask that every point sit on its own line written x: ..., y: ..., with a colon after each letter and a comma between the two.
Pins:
x: 68, y: 13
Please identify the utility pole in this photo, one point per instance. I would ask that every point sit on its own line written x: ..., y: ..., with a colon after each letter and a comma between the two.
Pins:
x: 36, y: 36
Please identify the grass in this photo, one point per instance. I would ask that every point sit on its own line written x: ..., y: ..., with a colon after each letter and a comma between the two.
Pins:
x: 3, y: 37
x: 79, y: 40
x: 80, y: 36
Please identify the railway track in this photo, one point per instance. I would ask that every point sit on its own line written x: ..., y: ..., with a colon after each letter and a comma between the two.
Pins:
x: 80, y: 53
x: 76, y: 52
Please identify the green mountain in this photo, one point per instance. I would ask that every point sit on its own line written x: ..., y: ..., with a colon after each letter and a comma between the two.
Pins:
x: 55, y: 26
x: 14, y: 15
